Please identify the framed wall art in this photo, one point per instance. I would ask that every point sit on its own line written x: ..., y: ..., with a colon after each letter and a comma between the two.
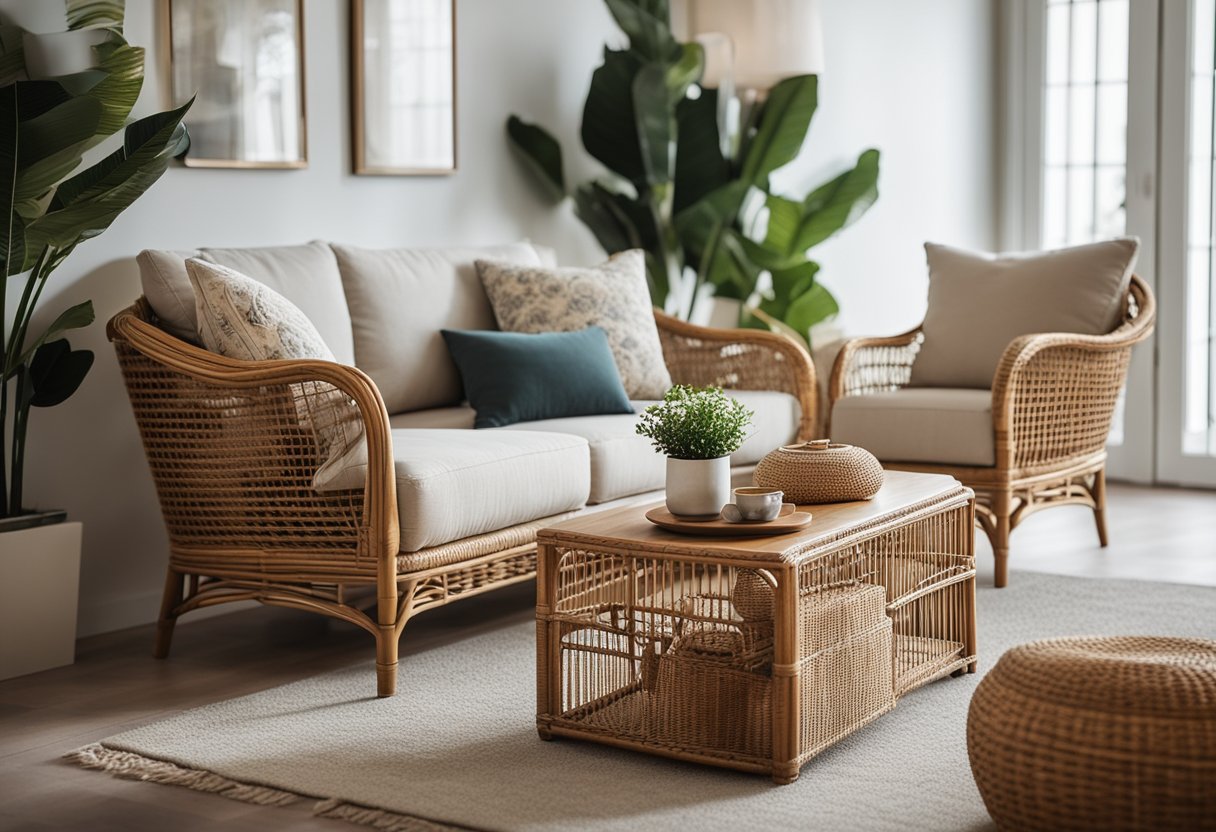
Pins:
x: 403, y: 86
x: 244, y: 62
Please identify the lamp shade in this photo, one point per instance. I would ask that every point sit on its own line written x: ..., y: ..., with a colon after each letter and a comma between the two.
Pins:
x: 773, y: 39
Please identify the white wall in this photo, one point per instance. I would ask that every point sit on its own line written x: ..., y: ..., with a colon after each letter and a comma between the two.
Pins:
x: 913, y: 83
x: 917, y: 81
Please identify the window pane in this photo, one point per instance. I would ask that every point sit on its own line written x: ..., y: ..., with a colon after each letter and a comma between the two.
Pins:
x: 1057, y: 44
x: 1112, y: 124
x: 1055, y: 126
x: 1081, y: 125
x: 1110, y: 197
x: 1199, y: 203
x: 1080, y: 205
x: 1084, y: 41
x: 1055, y: 201
x: 1112, y: 40
x: 1202, y: 32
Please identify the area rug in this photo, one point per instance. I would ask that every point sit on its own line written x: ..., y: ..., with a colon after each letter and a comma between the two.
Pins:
x: 457, y: 745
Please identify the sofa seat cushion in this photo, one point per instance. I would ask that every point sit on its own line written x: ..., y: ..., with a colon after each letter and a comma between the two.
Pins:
x: 951, y: 426
x: 453, y: 484
x: 623, y: 463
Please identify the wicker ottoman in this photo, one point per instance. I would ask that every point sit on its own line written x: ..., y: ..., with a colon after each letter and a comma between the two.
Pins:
x: 1098, y: 733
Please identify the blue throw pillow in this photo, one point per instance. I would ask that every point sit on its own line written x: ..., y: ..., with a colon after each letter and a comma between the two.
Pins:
x: 514, y: 377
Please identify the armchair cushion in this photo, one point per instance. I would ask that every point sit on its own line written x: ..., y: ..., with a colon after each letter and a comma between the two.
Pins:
x: 978, y: 303
x: 919, y: 424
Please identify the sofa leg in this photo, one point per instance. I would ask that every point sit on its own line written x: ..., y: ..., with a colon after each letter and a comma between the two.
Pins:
x: 386, y: 662
x: 1002, y: 508
x: 169, y: 602
x: 1098, y: 490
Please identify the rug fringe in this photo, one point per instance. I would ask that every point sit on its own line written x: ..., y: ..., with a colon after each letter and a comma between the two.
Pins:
x: 131, y: 766
x: 378, y: 819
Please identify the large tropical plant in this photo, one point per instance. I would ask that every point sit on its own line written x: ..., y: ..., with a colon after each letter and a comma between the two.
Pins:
x: 693, y: 192
x: 47, y: 124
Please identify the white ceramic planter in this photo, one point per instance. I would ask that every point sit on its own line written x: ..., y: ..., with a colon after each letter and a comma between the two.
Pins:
x: 697, y: 487
x: 39, y: 584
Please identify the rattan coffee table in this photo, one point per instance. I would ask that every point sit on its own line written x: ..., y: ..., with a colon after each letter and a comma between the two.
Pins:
x: 753, y: 653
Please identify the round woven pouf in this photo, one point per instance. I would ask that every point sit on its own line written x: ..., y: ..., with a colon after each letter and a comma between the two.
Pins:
x: 1098, y: 733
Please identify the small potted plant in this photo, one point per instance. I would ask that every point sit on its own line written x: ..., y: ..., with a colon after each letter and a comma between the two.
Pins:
x: 697, y: 428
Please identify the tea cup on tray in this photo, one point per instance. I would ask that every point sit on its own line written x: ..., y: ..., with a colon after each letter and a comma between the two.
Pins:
x: 754, y: 504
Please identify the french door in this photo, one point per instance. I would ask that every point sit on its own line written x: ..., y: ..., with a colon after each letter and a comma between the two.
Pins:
x: 1116, y: 102
x: 1186, y: 427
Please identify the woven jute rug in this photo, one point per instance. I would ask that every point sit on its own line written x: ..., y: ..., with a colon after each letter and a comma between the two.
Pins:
x: 457, y: 746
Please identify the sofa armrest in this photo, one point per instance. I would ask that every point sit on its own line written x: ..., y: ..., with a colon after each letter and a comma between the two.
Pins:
x: 740, y: 359
x: 1054, y: 394
x: 233, y: 454
x: 873, y: 365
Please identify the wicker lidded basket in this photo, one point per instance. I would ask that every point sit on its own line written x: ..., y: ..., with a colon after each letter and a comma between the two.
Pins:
x: 821, y: 471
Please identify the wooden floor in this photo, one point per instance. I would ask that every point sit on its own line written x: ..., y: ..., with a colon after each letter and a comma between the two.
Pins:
x: 1156, y: 534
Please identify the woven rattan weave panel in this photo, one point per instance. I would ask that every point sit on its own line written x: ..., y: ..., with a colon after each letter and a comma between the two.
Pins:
x: 758, y: 653
x: 233, y: 450
x: 1098, y: 733
x: 1053, y: 400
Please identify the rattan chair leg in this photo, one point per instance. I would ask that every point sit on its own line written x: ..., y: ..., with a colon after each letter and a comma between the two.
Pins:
x: 1099, y: 494
x: 386, y: 661
x: 1002, y: 509
x: 169, y: 603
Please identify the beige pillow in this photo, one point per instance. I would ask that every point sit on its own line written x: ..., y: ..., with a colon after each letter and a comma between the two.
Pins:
x: 400, y: 298
x: 613, y: 296
x: 979, y: 303
x: 242, y: 318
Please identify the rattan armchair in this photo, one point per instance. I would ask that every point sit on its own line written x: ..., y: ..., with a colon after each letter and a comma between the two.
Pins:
x: 1053, y: 399
x: 233, y: 457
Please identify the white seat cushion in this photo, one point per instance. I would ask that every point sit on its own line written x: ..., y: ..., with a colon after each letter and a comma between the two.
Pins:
x: 952, y: 426
x: 455, y: 483
x: 623, y: 463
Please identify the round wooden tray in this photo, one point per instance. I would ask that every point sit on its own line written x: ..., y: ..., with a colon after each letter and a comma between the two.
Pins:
x: 790, y: 520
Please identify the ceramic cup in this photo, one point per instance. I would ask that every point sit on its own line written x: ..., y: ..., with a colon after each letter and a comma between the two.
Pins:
x: 758, y: 503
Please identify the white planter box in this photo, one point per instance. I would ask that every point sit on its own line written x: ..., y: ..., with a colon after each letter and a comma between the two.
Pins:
x: 39, y: 582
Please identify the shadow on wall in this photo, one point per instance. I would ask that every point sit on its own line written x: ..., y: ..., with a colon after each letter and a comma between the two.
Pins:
x: 85, y: 456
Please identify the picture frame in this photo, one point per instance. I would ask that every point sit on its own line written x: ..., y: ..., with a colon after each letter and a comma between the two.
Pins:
x: 243, y: 61
x: 403, y: 87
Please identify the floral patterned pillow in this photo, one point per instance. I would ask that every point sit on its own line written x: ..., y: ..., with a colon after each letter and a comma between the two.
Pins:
x: 612, y: 296
x: 242, y: 318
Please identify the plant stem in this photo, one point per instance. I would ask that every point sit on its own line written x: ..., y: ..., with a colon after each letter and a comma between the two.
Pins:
x: 20, y: 419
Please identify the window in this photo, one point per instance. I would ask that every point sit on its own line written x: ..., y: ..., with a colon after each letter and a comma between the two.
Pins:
x: 1085, y: 121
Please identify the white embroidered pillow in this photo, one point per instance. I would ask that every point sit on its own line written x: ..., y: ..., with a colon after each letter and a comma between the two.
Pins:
x: 242, y: 318
x: 612, y: 296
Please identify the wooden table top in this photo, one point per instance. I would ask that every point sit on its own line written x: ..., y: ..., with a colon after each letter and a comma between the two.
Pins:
x: 904, y: 495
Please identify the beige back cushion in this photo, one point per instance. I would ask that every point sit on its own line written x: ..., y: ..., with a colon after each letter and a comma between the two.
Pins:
x: 400, y: 298
x: 979, y: 303
x: 307, y: 275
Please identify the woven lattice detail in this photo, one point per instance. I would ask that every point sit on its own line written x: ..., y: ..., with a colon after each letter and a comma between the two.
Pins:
x: 1053, y: 401
x: 740, y: 359
x: 820, y: 472
x: 1119, y: 733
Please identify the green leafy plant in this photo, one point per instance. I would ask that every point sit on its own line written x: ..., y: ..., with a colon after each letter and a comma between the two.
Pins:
x: 695, y: 423
x: 695, y: 197
x: 47, y: 124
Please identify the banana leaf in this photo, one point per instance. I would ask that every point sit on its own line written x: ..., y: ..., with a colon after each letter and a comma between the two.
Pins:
x: 783, y: 124
x: 608, y: 130
x: 93, y: 14
x: 542, y: 152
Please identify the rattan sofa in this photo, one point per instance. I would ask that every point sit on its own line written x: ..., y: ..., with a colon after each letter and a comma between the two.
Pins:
x: 233, y: 458
x: 1052, y: 402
